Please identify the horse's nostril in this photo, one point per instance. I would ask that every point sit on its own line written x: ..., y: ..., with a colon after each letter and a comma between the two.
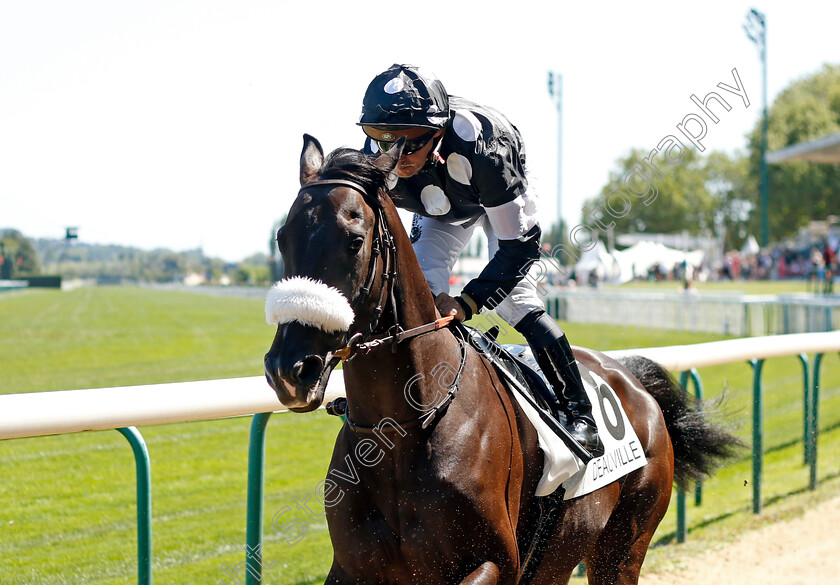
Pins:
x: 307, y: 370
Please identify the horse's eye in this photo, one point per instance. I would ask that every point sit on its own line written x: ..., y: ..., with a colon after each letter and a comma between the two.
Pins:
x: 356, y: 244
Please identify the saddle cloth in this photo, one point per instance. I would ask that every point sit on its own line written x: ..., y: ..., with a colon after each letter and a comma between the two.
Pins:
x: 623, y: 451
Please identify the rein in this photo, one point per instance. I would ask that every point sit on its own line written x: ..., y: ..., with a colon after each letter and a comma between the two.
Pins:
x: 355, y: 345
x: 383, y: 245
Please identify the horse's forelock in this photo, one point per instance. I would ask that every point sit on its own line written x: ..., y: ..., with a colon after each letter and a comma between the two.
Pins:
x: 347, y: 163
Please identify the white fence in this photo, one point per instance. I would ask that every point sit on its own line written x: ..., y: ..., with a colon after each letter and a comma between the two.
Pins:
x: 70, y: 411
x: 746, y: 315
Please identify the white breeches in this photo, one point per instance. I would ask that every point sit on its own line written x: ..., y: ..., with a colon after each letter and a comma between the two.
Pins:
x: 441, y: 244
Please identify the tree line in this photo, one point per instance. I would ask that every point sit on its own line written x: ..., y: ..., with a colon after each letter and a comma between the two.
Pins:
x: 21, y: 257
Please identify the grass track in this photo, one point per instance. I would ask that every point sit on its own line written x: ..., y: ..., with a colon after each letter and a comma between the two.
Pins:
x: 67, y: 502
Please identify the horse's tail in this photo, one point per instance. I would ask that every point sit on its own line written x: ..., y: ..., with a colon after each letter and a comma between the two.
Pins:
x: 700, y: 446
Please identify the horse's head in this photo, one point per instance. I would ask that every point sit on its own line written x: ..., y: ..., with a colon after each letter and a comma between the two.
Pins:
x: 334, y: 245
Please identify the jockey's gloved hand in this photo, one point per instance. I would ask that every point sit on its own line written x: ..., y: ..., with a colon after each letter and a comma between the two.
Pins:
x: 452, y: 306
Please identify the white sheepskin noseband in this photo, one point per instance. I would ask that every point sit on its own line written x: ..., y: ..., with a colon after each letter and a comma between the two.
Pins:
x: 310, y: 302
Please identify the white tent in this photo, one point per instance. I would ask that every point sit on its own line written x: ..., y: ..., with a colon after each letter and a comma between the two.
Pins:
x: 750, y: 247
x: 599, y: 261
x: 624, y: 265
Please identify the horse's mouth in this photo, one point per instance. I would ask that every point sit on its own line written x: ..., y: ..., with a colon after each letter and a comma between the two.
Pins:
x: 298, y: 396
x: 314, y: 398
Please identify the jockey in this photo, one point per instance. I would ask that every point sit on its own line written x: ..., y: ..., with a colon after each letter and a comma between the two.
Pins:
x: 463, y: 166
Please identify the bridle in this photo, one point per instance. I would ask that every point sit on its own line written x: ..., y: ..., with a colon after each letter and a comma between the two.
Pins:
x: 383, y: 246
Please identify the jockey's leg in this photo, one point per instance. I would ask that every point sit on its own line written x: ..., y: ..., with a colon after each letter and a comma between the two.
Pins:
x: 524, y: 309
x: 555, y: 357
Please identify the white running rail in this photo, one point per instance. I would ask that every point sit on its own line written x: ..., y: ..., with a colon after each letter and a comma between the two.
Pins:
x: 70, y: 411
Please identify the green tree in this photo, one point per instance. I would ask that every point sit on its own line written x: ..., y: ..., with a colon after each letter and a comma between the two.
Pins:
x: 727, y: 181
x: 19, y: 255
x: 167, y: 266
x: 552, y: 234
x: 697, y: 194
x: 807, y: 109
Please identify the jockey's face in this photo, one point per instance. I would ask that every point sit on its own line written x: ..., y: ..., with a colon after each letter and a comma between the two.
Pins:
x: 411, y: 164
x: 418, y: 146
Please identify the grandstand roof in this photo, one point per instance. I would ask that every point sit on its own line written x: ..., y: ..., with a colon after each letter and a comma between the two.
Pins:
x: 821, y: 150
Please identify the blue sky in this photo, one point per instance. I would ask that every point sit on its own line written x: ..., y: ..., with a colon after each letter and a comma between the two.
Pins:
x: 179, y: 124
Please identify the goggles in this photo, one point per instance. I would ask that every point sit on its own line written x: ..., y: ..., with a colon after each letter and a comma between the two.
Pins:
x: 411, y: 146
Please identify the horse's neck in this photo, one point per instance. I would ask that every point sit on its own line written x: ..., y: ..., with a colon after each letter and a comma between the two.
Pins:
x: 413, y: 304
x: 396, y: 384
x: 415, y: 299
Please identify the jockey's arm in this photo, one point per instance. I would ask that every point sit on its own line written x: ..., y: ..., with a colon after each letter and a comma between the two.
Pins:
x: 504, y: 271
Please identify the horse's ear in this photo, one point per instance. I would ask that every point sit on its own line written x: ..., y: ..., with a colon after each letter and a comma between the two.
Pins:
x: 311, y: 159
x: 388, y: 160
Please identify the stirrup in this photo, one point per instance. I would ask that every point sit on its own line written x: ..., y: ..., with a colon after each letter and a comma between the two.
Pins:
x: 588, y: 437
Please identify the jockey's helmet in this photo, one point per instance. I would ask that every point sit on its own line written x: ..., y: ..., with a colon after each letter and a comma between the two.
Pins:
x: 403, y: 97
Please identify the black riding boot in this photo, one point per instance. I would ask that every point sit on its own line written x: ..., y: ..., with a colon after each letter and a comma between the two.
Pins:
x: 555, y: 357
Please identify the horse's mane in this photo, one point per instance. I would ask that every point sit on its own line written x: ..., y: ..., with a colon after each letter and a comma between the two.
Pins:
x: 347, y: 163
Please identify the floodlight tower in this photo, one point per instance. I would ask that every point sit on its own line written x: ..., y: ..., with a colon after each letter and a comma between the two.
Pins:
x: 756, y: 29
x: 555, y: 90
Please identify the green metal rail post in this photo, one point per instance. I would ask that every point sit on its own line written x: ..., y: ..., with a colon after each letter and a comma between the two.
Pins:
x: 682, y: 523
x: 698, y: 393
x: 144, y: 503
x: 813, y: 424
x: 256, y: 485
x: 806, y: 407
x: 758, y: 433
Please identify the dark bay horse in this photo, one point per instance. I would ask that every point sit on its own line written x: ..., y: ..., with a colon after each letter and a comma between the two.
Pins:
x: 433, y: 475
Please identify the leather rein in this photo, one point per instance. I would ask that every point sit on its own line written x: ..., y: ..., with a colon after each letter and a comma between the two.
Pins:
x: 383, y: 245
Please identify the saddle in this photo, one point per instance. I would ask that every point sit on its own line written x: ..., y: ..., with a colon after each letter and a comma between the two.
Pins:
x: 519, y: 368
x: 514, y: 362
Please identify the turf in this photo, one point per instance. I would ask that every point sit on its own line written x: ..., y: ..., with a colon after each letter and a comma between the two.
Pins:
x: 67, y: 502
